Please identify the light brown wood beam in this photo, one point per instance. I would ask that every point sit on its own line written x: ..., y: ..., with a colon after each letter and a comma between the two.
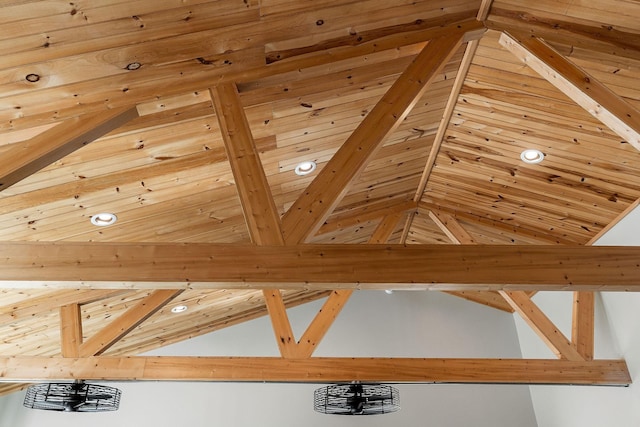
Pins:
x: 322, y: 322
x: 338, y: 298
x: 541, y: 325
x: 452, y: 228
x: 484, y: 9
x: 327, y: 266
x: 458, y: 235
x: 258, y: 206
x: 386, y: 227
x: 366, y: 213
x: 583, y: 322
x: 257, y: 202
x: 612, y: 41
x: 584, y: 89
x: 461, y: 75
x: 267, y: 369
x: 280, y: 322
x: 53, y: 301
x: 70, y: 330
x: 22, y: 159
x: 308, y: 213
x: 126, y: 322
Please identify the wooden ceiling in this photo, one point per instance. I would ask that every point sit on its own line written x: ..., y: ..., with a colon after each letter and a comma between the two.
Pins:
x: 186, y: 119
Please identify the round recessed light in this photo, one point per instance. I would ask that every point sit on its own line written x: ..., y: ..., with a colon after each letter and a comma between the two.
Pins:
x: 179, y: 309
x: 103, y: 219
x: 305, y: 168
x: 388, y: 291
x: 532, y: 156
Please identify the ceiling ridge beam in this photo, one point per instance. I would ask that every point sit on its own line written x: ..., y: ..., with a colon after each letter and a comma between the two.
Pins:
x: 126, y: 322
x: 318, y: 369
x: 585, y: 90
x: 461, y: 75
x: 319, y: 199
x: 542, y: 325
x: 23, y: 159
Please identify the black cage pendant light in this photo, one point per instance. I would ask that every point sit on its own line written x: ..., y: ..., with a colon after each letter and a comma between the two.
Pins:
x: 356, y: 399
x: 72, y: 397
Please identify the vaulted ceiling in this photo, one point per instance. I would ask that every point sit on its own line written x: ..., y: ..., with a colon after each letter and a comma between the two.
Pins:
x: 186, y: 119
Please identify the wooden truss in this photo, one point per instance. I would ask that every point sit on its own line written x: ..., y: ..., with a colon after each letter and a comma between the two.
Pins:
x: 279, y: 257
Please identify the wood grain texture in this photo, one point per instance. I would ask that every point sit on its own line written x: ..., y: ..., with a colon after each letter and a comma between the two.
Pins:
x: 309, y: 212
x: 24, y: 159
x: 318, y: 369
x: 578, y: 85
x: 118, y: 328
x: 583, y: 324
x: 70, y: 330
x: 541, y: 325
x: 443, y: 267
x: 308, y: 74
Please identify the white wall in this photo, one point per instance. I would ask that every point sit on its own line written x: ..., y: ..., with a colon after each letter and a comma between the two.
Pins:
x: 617, y: 336
x: 421, y: 324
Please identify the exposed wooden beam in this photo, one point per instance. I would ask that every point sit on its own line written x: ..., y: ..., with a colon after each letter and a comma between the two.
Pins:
x: 541, y: 325
x: 458, y: 235
x: 386, y: 227
x: 280, y: 322
x: 322, y: 322
x: 22, y: 159
x: 53, y: 301
x: 308, y: 213
x: 365, y: 213
x: 328, y: 266
x: 610, y: 40
x: 258, y: 206
x: 583, y: 322
x: 496, y: 371
x: 584, y: 89
x: 451, y: 227
x: 126, y: 322
x: 484, y: 9
x: 452, y: 100
x: 70, y: 330
x: 338, y: 298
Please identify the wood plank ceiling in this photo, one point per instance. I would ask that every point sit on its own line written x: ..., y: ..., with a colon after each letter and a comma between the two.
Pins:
x: 110, y: 106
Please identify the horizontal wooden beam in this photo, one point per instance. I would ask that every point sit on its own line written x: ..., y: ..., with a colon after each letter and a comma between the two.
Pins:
x: 327, y: 266
x: 317, y: 370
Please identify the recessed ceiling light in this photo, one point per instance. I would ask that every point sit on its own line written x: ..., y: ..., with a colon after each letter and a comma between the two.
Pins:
x: 179, y: 309
x: 103, y: 219
x: 532, y: 156
x: 388, y: 291
x: 305, y: 168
